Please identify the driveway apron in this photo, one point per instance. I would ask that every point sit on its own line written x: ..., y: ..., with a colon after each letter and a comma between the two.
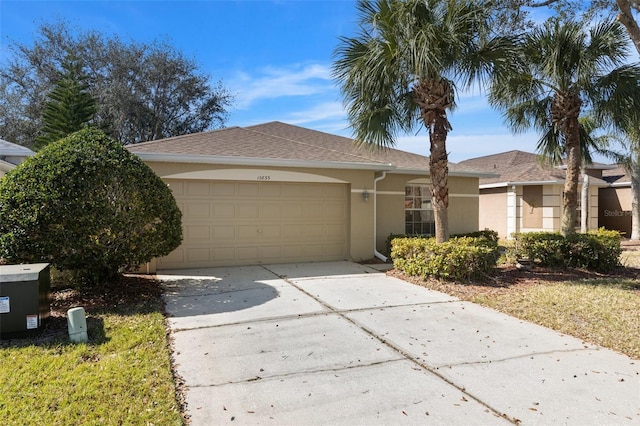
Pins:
x: 341, y: 343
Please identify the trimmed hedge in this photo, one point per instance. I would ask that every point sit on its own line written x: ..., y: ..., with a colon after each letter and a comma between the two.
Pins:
x: 596, y: 250
x: 487, y: 235
x: 86, y: 204
x: 460, y: 258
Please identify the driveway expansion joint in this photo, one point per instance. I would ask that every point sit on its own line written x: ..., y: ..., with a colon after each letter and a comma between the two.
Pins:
x: 258, y: 321
x: 395, y: 348
x: 303, y: 372
x: 359, y: 353
x: 523, y: 356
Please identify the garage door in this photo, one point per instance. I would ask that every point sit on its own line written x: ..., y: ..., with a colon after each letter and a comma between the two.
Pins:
x: 243, y: 223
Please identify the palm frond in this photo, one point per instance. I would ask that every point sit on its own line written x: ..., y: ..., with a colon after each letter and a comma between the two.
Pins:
x: 403, y: 43
x: 550, y: 146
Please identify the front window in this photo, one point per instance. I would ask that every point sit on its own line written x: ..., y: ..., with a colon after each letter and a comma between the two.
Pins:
x: 418, y: 211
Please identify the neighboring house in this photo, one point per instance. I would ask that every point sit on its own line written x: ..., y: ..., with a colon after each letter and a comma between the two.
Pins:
x: 275, y: 193
x: 11, y: 155
x: 614, y: 208
x: 526, y: 195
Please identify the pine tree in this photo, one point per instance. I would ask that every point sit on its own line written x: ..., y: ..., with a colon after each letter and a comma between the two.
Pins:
x: 70, y: 106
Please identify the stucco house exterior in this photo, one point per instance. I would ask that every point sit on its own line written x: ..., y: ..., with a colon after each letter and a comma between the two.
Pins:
x: 614, y: 208
x: 11, y: 155
x: 276, y: 193
x: 526, y: 195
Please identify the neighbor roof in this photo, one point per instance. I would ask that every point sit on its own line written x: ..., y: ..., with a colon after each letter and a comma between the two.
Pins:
x: 518, y: 168
x: 617, y: 176
x: 9, y: 149
x: 281, y: 144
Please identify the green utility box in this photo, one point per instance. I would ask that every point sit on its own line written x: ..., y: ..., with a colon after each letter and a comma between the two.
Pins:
x: 25, y: 293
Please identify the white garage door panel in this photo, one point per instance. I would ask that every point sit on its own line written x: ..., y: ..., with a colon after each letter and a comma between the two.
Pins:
x: 235, y: 223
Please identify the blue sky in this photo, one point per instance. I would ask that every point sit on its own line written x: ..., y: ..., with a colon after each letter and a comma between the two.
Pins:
x: 274, y: 56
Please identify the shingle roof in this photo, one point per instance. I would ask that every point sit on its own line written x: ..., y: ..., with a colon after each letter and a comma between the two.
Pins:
x: 515, y: 167
x: 280, y: 141
x: 617, y: 176
x: 9, y: 149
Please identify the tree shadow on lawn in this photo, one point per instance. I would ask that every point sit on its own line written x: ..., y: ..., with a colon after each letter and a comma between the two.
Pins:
x: 125, y: 295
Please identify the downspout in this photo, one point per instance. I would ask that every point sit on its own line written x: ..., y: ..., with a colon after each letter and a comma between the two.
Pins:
x: 375, y: 217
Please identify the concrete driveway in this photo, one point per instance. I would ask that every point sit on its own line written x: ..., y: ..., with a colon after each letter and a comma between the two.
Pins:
x: 341, y: 343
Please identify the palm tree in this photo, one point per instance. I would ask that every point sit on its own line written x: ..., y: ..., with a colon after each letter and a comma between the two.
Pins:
x: 627, y: 127
x: 564, y: 71
x: 401, y: 71
x: 630, y: 161
x: 589, y: 141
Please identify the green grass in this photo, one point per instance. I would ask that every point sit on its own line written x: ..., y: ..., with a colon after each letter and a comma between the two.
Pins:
x: 600, y: 311
x: 122, y: 376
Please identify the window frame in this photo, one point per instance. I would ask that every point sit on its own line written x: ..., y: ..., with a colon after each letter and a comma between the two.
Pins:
x: 418, y: 220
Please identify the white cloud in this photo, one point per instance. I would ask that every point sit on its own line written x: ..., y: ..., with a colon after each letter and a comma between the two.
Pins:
x: 320, y: 112
x: 271, y: 83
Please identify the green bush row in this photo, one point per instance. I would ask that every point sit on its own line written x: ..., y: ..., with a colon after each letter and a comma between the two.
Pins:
x: 596, y: 250
x: 460, y: 258
x: 487, y: 235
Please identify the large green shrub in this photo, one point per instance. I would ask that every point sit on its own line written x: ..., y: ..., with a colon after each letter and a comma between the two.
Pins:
x: 486, y: 236
x: 547, y: 248
x: 84, y: 203
x: 460, y: 258
x: 596, y: 250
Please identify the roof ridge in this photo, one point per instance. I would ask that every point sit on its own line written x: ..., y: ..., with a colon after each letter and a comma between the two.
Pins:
x: 183, y: 136
x: 358, y: 146
x: 314, y: 146
x: 13, y: 149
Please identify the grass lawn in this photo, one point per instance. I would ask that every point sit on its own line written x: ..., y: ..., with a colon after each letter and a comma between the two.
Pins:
x: 601, y: 309
x: 122, y: 376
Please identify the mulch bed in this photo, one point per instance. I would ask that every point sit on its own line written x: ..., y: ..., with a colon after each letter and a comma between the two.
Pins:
x: 509, y: 278
x: 122, y: 291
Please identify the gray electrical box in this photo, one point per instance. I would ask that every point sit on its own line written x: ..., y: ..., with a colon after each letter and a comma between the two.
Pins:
x: 25, y: 293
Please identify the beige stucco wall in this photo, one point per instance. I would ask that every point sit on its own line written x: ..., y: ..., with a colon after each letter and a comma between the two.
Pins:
x: 505, y: 210
x: 389, y: 199
x: 493, y: 210
x: 463, y: 205
x: 594, y: 207
x: 390, y: 208
x: 5, y: 167
x: 552, y: 210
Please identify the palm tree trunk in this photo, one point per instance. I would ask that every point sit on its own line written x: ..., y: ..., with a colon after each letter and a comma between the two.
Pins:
x: 565, y: 111
x: 570, y: 197
x: 439, y: 170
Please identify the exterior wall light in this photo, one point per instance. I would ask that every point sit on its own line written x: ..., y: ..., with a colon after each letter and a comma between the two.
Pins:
x: 365, y: 195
